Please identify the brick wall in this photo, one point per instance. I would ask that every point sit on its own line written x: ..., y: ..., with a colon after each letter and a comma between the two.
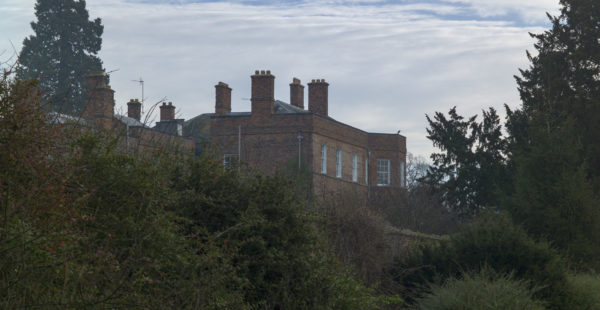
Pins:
x: 271, y: 143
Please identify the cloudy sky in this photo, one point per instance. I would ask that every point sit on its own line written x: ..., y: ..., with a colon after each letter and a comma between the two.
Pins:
x: 388, y: 63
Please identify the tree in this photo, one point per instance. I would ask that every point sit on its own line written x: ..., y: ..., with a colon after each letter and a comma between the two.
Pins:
x: 416, y: 170
x: 554, y: 139
x: 471, y: 167
x: 62, y: 52
x: 562, y: 81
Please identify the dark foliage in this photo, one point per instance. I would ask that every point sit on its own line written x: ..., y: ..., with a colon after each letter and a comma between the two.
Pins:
x: 62, y: 52
x: 491, y: 242
x: 85, y: 226
x: 470, y: 171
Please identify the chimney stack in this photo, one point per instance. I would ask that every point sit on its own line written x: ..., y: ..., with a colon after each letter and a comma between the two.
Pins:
x: 134, y: 109
x: 317, y: 97
x: 222, y: 99
x: 99, y: 101
x: 297, y: 93
x: 263, y: 93
x: 167, y: 112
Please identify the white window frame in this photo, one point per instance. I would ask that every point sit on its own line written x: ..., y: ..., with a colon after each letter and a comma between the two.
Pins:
x: 402, y: 175
x: 338, y: 163
x: 355, y: 168
x: 383, y: 172
x: 230, y: 160
x: 324, y: 158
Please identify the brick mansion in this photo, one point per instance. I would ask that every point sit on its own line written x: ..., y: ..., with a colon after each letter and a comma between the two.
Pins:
x: 275, y: 135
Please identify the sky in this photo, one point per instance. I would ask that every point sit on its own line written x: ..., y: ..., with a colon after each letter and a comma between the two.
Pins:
x: 388, y: 63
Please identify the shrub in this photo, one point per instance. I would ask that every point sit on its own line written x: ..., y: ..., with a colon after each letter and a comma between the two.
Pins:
x: 585, y: 291
x: 485, y: 290
x: 261, y: 222
x: 491, y: 241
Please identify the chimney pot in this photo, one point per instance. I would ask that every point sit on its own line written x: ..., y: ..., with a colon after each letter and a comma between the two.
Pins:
x: 134, y: 109
x: 318, y: 92
x: 297, y: 93
x: 167, y: 112
x: 222, y: 99
x: 263, y: 94
x: 100, y: 100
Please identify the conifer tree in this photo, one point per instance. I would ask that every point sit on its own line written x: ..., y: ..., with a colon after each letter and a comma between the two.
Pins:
x: 562, y: 83
x: 61, y: 52
x: 554, y: 140
x: 470, y: 170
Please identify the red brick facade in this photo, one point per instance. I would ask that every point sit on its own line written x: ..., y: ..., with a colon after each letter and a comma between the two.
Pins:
x: 275, y: 135
x: 136, y: 137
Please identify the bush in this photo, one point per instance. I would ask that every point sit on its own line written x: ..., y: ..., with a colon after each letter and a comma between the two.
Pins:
x: 491, y: 241
x: 269, y: 234
x: 585, y: 291
x: 485, y: 290
x: 356, y: 234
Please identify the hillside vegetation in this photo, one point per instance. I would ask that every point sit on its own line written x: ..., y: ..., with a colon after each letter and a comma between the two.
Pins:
x: 85, y: 226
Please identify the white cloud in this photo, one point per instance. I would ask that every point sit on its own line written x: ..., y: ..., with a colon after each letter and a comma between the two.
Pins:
x: 387, y: 65
x: 530, y: 11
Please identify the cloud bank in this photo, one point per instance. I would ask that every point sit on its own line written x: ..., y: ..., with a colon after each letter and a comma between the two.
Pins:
x: 388, y: 62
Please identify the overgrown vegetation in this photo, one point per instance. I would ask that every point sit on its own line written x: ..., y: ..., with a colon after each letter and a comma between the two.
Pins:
x: 84, y: 225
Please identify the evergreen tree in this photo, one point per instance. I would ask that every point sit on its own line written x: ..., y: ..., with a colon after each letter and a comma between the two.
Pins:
x: 470, y: 168
x: 563, y: 82
x: 61, y: 52
x: 554, y: 139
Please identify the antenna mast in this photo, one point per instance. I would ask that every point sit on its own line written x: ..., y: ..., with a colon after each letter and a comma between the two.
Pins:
x: 141, y: 81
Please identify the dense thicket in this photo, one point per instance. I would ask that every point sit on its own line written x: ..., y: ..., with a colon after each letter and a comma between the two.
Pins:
x: 83, y: 225
x: 62, y: 52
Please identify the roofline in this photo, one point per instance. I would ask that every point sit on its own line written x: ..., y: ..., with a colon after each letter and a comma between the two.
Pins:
x: 307, y: 112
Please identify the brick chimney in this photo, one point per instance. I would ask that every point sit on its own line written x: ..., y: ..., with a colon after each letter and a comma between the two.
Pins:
x: 99, y: 101
x: 222, y: 99
x: 167, y: 112
x: 317, y: 97
x: 263, y: 93
x: 134, y: 109
x: 297, y: 93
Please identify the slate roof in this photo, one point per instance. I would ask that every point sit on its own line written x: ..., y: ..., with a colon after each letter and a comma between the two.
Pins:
x: 131, y: 122
x: 199, y: 126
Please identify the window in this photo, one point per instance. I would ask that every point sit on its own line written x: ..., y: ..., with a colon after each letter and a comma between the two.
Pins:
x: 230, y: 160
x: 324, y: 158
x: 402, y: 175
x: 338, y: 163
x: 355, y: 168
x: 367, y: 170
x: 383, y: 172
